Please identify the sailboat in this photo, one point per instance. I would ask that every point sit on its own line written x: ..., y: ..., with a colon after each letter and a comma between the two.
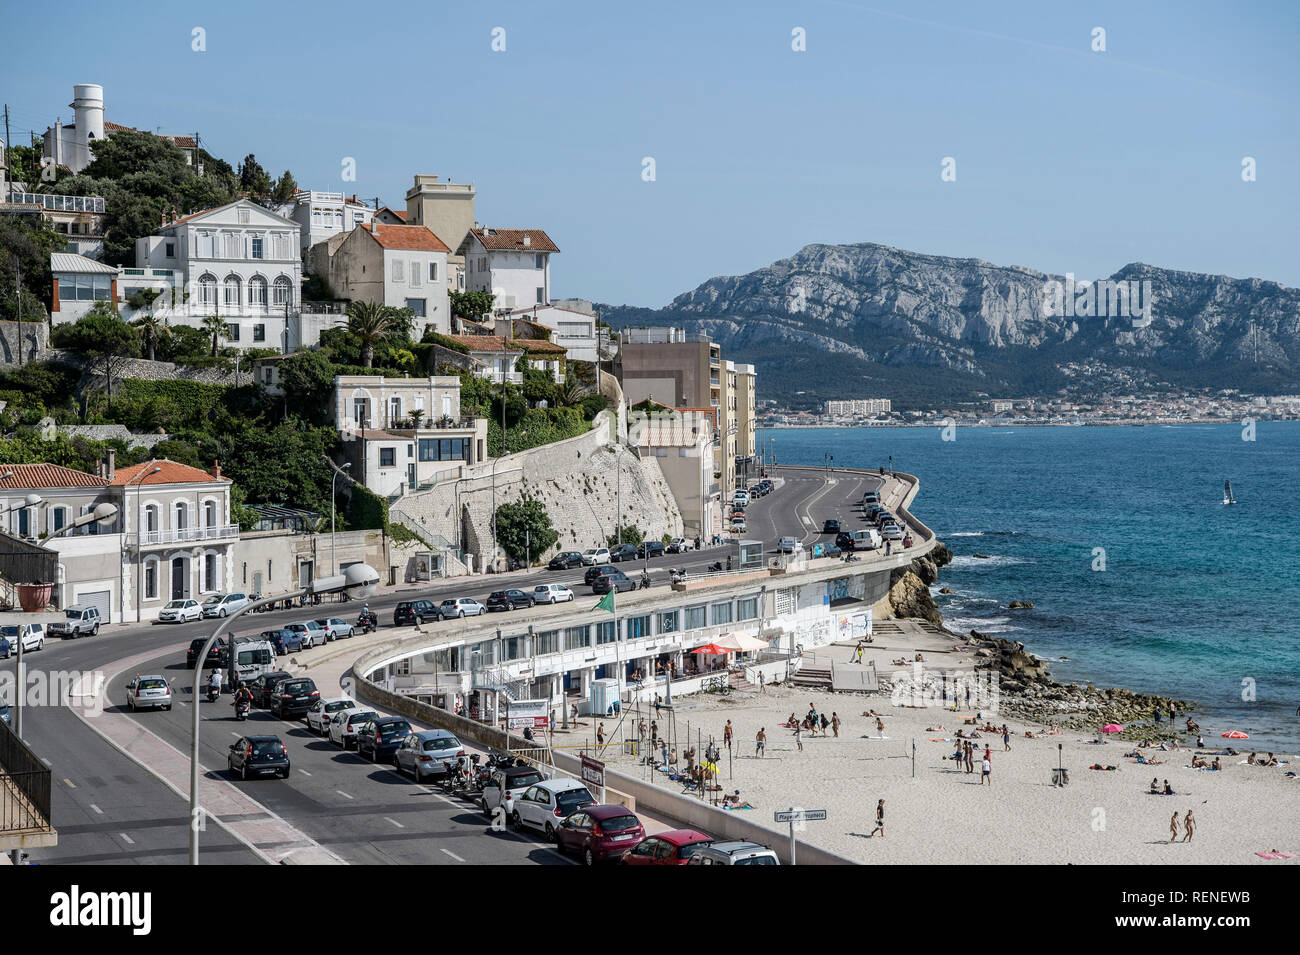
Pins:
x: 1227, y: 493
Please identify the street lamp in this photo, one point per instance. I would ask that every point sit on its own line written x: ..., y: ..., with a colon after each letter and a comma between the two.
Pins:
x: 618, y: 518
x: 334, y: 561
x: 359, y: 580
x: 139, y: 533
x: 495, y: 462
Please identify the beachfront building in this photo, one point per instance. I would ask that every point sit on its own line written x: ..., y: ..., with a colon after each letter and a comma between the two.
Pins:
x: 513, y: 264
x: 79, y: 219
x: 861, y: 407
x: 404, y: 266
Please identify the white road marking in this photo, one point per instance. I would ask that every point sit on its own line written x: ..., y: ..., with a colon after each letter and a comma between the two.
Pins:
x: 97, y: 809
x: 394, y: 822
x: 127, y: 839
x: 69, y: 783
x: 46, y: 761
x: 236, y: 735
x: 453, y: 855
x: 304, y: 772
x: 343, y: 794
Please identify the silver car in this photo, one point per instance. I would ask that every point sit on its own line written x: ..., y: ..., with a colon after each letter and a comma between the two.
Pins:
x: 335, y: 627
x: 427, y: 753
x: 148, y: 692
x: 311, y: 632
x: 320, y: 713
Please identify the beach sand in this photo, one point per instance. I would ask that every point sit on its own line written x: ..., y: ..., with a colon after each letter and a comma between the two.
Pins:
x: 944, y: 815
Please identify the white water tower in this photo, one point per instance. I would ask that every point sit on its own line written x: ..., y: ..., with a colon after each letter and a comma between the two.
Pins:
x: 88, y: 112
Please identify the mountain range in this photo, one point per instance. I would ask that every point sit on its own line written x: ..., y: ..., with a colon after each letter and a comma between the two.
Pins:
x: 868, y: 320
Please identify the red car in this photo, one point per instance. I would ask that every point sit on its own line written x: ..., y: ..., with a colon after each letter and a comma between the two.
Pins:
x: 599, y: 833
x: 674, y: 847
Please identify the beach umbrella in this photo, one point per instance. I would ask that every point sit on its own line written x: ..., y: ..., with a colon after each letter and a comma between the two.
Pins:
x: 712, y: 649
x: 1112, y: 728
x: 741, y: 642
x: 1235, y: 734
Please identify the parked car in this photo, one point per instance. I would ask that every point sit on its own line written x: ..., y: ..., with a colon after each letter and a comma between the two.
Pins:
x: 218, y: 655
x: 222, y: 605
x: 892, y: 533
x: 788, y: 545
x: 311, y: 632
x: 292, y: 698
x: 78, y: 621
x: 566, y: 561
x: 624, y: 552
x: 867, y: 539
x: 410, y: 612
x: 830, y: 526
x: 381, y: 737
x: 425, y: 754
x: 844, y: 540
x: 505, y: 786
x: 594, y: 572
x: 674, y: 847
x: 509, y: 600
x: 870, y: 497
x: 322, y: 711
x: 548, y: 803
x: 6, y: 647
x: 615, y: 579
x: 597, y: 555
x: 460, y: 607
x: 599, y: 833
x: 741, y: 499
x: 738, y: 525
x: 830, y: 550
x: 335, y: 627
x: 648, y: 549
x: 264, y: 685
x: 551, y: 594
x: 680, y: 545
x: 180, y: 611
x: 32, y: 636
x: 148, y: 692
x: 258, y: 756
x: 344, y: 725
x: 284, y: 641
x: 734, y: 853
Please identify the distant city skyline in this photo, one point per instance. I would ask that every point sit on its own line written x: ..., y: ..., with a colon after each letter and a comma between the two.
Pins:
x: 1066, y: 158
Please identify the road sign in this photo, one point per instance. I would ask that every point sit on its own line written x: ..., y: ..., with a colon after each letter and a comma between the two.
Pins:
x: 799, y: 815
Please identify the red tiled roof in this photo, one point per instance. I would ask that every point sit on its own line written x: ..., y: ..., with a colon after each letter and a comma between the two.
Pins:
x: 185, y: 142
x: 34, y: 476
x: 170, y: 473
x: 500, y: 343
x: 399, y: 213
x: 413, y: 238
x: 512, y: 240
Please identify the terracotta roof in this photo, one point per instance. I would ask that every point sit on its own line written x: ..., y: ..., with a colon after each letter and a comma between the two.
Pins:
x: 185, y: 142
x: 512, y: 240
x: 401, y: 214
x: 46, y: 475
x: 501, y: 343
x: 170, y: 473
x: 414, y: 238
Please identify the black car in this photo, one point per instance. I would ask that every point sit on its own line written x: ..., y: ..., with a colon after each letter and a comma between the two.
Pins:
x: 611, y: 580
x: 565, y: 561
x: 381, y: 738
x: 258, y: 756
x: 292, y: 698
x: 647, y: 549
x: 594, y: 572
x: 844, y: 540
x: 218, y: 656
x: 624, y: 552
x: 410, y: 612
x: 509, y: 600
x: 264, y: 685
x: 830, y: 526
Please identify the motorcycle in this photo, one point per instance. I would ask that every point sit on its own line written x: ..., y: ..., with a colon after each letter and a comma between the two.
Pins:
x: 241, y: 710
x: 368, y: 621
x: 678, y: 575
x: 715, y: 567
x: 645, y: 581
x: 214, y: 693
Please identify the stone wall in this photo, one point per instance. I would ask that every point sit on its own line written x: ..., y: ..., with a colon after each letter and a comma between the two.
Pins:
x: 36, y: 339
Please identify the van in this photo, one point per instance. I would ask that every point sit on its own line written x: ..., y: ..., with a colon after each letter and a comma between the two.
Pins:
x: 734, y: 853
x: 741, y: 499
x: 868, y: 539
x: 77, y: 620
x: 251, y: 658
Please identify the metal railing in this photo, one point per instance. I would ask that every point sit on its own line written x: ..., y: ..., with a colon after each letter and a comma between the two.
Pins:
x: 24, y: 786
x: 182, y: 535
x: 431, y: 538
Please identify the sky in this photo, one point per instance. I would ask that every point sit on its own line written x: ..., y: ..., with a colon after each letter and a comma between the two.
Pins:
x: 1066, y: 158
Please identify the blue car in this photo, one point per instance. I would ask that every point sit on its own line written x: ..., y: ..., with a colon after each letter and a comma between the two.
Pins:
x: 6, y: 648
x: 283, y: 642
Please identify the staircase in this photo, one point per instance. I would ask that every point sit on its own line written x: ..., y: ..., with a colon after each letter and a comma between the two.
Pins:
x: 814, y: 677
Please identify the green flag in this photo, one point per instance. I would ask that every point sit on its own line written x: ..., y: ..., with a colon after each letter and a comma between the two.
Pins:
x: 606, y: 602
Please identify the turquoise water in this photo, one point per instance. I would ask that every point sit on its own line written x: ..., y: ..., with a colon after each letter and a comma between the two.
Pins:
x: 1195, y: 597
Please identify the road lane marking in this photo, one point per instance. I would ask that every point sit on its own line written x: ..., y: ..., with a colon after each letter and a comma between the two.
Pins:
x: 127, y: 839
x: 97, y: 809
x: 343, y: 794
x: 236, y: 735
x: 69, y: 783
x: 453, y: 855
x: 394, y: 822
x: 304, y: 772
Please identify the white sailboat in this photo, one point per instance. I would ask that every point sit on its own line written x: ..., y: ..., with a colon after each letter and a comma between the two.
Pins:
x: 1227, y: 493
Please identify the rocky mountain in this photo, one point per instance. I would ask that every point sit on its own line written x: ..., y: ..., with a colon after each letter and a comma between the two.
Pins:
x: 848, y: 320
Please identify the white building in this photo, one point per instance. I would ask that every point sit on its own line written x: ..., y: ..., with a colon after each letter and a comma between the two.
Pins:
x: 513, y: 264
x: 400, y: 265
x: 495, y: 356
x: 239, y: 261
x: 572, y: 330
x: 321, y: 215
x: 72, y: 146
x: 859, y: 406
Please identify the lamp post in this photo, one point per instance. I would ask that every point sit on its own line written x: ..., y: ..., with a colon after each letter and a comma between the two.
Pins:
x: 618, y: 518
x: 334, y: 558
x: 495, y: 462
x: 359, y: 579
x: 139, y: 533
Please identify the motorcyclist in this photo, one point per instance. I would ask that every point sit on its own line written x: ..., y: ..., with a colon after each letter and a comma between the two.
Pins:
x: 645, y: 579
x: 243, y: 695
x: 214, y: 681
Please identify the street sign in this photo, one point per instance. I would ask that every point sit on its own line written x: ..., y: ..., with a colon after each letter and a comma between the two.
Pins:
x: 799, y: 815
x: 527, y: 713
x: 593, y: 771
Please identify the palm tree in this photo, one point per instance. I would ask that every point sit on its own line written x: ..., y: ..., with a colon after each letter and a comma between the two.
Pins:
x: 215, y: 326
x: 152, y: 328
x: 370, y: 322
x: 569, y: 394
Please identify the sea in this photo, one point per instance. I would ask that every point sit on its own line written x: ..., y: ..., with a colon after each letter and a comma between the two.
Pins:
x: 1140, y: 575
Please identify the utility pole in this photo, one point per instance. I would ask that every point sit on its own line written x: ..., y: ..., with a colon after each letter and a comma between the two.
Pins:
x: 8, y: 196
x: 18, y: 292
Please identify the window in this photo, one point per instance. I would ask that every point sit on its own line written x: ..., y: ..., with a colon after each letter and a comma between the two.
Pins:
x: 547, y: 641
x: 444, y: 449
x: 387, y: 457
x: 417, y: 274
x: 668, y: 622
x: 416, y: 305
x: 638, y: 627
x: 361, y: 411
x: 232, y: 333
x: 280, y: 293
x: 606, y: 632
x: 207, y: 290
x: 512, y: 648
x: 151, y: 518
x: 151, y: 580
x: 259, y: 334
x: 394, y: 410
x: 539, y: 296
x: 694, y: 618
x: 210, y: 577
x: 399, y: 273
x: 58, y: 516
x: 209, y: 513
x: 577, y: 637
x: 207, y: 244
x: 257, y: 291
x: 433, y: 271
x: 785, y: 602
x: 25, y: 522
x: 169, y: 250
x: 747, y: 608
x: 257, y: 247
x: 243, y: 217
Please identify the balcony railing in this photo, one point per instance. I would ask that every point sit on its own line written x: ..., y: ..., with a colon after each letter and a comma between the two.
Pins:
x: 24, y: 788
x: 182, y: 535
x: 59, y: 203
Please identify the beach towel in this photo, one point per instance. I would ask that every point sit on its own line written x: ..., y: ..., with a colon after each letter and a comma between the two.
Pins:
x: 1274, y: 854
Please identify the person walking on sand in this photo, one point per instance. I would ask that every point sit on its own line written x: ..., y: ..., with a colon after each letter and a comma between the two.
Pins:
x: 970, y: 757
x: 726, y: 735
x: 762, y: 682
x: 760, y: 742
x: 835, y: 723
x: 1173, y: 827
x: 1189, y: 825
x: 825, y: 723
x: 859, y: 651
x: 880, y: 820
x: 798, y: 736
x: 1006, y: 739
x: 880, y: 727
x: 600, y: 735
x: 987, y: 775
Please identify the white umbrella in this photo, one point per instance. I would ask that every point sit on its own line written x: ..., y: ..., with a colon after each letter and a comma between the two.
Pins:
x: 740, y: 642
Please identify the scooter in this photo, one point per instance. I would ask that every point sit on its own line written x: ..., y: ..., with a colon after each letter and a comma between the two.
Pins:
x: 214, y: 693
x: 241, y: 710
x: 678, y: 575
x: 645, y: 582
x: 715, y: 567
x: 367, y: 622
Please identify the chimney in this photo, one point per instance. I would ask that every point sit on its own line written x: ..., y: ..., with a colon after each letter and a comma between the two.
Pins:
x: 112, y: 465
x: 99, y: 467
x: 216, y: 469
x: 527, y: 240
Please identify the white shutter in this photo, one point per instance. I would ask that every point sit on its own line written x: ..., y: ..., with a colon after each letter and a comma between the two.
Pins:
x: 397, y: 270
x: 417, y: 276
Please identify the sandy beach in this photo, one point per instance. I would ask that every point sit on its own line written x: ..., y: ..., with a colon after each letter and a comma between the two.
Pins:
x: 945, y: 815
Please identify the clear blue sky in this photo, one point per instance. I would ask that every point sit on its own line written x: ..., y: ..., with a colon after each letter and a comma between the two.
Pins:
x: 1067, y: 160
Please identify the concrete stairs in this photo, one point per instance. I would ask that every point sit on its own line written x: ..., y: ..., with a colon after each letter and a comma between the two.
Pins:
x: 815, y: 677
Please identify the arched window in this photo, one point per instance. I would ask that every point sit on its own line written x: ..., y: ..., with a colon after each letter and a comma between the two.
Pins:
x: 281, y: 291
x: 231, y: 290
x: 151, y: 579
x: 150, y: 518
x: 211, y: 575
x: 180, y: 512
x: 207, y: 289
x: 209, y: 513
x: 394, y: 411
x: 257, y: 291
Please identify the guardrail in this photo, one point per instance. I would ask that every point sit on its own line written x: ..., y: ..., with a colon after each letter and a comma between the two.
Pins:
x: 24, y: 787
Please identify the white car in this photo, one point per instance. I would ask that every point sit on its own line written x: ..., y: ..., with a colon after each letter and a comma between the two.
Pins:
x: 33, y: 636
x: 679, y: 545
x: 547, y: 804
x: 322, y: 711
x: 460, y: 607
x: 344, y: 725
x: 597, y: 555
x: 892, y: 532
x: 738, y: 527
x: 180, y: 611
x: 335, y: 627
x: 788, y: 545
x: 223, y: 605
x: 552, y: 593
x: 148, y: 691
